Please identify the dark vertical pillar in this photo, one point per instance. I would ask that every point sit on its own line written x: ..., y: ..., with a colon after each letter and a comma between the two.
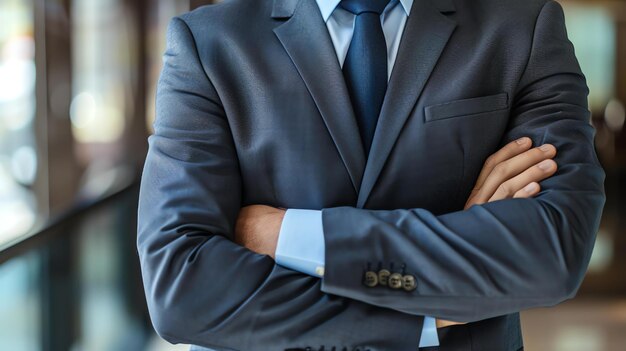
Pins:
x: 621, y: 58
x: 618, y: 191
x: 57, y: 177
x: 135, y: 134
x: 135, y: 142
x: 57, y: 184
x: 60, y: 327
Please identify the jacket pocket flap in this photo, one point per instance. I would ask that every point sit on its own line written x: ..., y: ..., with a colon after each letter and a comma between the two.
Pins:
x: 467, y: 107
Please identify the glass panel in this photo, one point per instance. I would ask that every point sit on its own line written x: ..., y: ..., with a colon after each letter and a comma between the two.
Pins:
x: 107, y: 321
x: 18, y: 158
x: 591, y: 29
x: 103, y: 68
x: 19, y: 303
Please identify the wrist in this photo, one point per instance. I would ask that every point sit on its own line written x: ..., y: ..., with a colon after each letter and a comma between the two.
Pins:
x: 277, y: 221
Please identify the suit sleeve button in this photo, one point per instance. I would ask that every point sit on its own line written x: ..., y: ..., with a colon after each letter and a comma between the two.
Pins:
x: 383, y: 277
x: 409, y: 283
x: 371, y: 279
x: 395, y: 281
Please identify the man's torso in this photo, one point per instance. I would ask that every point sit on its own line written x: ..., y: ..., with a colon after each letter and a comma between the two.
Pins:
x: 447, y: 106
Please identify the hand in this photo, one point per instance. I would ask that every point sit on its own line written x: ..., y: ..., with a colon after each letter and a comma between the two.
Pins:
x: 512, y: 172
x: 257, y: 228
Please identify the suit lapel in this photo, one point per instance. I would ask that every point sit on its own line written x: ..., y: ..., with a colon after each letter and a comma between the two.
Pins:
x: 305, y: 38
x: 426, y: 33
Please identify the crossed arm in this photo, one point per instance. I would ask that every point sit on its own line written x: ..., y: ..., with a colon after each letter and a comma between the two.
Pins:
x: 513, y: 172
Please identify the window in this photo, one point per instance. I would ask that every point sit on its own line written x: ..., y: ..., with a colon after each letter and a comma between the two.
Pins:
x: 18, y: 156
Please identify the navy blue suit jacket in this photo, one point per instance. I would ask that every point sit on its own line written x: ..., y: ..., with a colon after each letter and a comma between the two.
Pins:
x: 252, y: 108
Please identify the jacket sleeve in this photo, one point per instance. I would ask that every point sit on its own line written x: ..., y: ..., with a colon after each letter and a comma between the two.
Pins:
x: 202, y: 288
x: 500, y: 257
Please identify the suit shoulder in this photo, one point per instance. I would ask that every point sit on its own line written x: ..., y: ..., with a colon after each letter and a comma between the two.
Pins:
x: 227, y: 13
x: 511, y: 16
x: 507, y: 9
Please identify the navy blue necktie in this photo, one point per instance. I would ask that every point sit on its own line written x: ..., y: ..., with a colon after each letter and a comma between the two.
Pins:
x: 365, y: 66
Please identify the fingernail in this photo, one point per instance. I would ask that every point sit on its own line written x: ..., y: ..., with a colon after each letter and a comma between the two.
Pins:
x: 530, y: 187
x: 545, y: 165
x: 521, y: 141
x: 545, y: 147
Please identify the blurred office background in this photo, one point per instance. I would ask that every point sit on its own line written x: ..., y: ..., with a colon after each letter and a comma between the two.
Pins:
x: 77, y: 85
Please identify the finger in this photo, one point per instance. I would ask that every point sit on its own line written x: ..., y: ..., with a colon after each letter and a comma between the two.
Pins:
x: 511, y: 168
x: 510, y: 150
x: 540, y: 171
x: 528, y: 191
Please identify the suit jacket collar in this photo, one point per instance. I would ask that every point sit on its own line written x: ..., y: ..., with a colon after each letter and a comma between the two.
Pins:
x: 328, y: 6
x: 306, y: 40
x: 285, y: 8
x: 426, y: 34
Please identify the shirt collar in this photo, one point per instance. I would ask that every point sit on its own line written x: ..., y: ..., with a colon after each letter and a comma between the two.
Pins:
x: 328, y: 6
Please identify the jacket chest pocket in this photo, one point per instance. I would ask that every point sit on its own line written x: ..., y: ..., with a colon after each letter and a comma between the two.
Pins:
x: 466, y: 107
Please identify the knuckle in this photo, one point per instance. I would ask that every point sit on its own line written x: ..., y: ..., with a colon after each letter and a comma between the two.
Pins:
x: 533, y: 155
x: 500, y: 169
x: 506, y: 189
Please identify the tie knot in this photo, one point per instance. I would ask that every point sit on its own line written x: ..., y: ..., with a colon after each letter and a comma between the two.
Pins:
x: 359, y: 6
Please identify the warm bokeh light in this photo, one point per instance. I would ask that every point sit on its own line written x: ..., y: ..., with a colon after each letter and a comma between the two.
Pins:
x: 96, y: 119
x: 615, y: 115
